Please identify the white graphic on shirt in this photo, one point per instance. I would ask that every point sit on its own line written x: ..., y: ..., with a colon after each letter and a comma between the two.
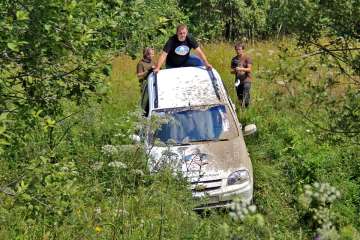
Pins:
x: 182, y: 50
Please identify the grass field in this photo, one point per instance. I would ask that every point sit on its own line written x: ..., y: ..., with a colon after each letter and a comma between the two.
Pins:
x: 285, y: 152
x: 94, y: 185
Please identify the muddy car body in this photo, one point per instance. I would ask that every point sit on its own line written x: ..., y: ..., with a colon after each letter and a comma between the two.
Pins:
x: 204, y: 139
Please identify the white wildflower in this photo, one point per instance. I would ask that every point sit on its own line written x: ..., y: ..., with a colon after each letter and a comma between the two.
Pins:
x: 109, y: 150
x: 97, y: 166
x: 98, y: 210
x: 121, y: 212
x: 64, y: 169
x: 252, y: 208
x: 117, y: 164
x: 138, y: 172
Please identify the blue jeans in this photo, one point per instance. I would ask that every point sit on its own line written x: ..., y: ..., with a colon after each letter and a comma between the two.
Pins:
x: 192, y: 61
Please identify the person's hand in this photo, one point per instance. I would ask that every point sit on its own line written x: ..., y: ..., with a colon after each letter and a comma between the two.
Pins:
x: 208, y: 66
x: 240, y: 70
x: 156, y: 70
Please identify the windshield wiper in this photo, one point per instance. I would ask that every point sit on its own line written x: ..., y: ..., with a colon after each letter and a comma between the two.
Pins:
x: 182, y: 144
x: 187, y: 143
x: 210, y: 140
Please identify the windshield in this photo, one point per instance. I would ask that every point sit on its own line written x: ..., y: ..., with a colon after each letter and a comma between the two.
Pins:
x: 211, y: 123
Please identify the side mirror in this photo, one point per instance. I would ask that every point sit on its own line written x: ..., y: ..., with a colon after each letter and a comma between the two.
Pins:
x: 135, y: 138
x: 249, y: 129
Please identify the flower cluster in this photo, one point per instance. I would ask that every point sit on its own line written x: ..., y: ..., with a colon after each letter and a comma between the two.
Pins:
x: 117, y: 164
x: 327, y: 232
x: 241, y: 209
x: 109, y: 150
x: 317, y: 199
x: 322, y: 216
x: 321, y: 193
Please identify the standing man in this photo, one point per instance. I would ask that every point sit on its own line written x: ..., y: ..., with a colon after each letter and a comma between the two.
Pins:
x: 241, y: 68
x: 176, y: 51
x: 145, y: 66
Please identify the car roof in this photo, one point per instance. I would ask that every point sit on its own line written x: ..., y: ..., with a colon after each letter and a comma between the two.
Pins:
x: 181, y: 87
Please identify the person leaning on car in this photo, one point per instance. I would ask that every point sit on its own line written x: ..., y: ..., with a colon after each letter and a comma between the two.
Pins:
x: 145, y: 65
x: 176, y: 51
x: 241, y: 67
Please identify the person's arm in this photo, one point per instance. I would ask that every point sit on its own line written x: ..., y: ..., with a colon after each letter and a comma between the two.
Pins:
x: 140, y: 73
x: 203, y: 57
x: 248, y: 68
x: 161, y: 61
x: 242, y: 69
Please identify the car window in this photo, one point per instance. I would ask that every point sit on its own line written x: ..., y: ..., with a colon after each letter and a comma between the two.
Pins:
x: 191, y: 125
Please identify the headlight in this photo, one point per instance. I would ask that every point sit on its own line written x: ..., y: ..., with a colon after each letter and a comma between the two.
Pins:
x: 238, y: 177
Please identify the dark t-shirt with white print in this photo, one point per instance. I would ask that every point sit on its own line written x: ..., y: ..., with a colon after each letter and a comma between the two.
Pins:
x: 179, y: 51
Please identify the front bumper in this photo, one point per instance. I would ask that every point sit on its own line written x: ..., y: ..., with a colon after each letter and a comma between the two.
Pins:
x: 223, y: 197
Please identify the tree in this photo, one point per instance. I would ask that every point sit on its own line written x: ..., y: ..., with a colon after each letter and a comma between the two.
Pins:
x: 56, y: 52
x: 328, y: 31
x: 235, y: 19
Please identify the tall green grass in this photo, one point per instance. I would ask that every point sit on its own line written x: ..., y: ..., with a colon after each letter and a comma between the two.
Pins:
x: 96, y: 185
x: 284, y: 152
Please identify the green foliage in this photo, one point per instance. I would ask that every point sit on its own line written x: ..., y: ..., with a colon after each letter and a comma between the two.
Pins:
x: 316, y: 200
x: 68, y: 169
x: 3, y: 136
x: 321, y: 92
x: 317, y: 196
x: 94, y: 184
x: 234, y: 19
x: 55, y: 53
x: 252, y: 223
x: 148, y: 23
x: 51, y: 53
x: 328, y: 34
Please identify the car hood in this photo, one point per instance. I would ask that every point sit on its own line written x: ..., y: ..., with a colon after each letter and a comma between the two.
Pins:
x: 213, y: 159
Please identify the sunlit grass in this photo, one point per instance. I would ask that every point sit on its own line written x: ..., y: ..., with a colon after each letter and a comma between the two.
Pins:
x: 275, y: 150
x: 125, y: 89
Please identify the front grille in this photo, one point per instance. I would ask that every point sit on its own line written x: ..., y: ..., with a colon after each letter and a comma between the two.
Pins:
x: 206, y: 185
x: 218, y: 204
x: 207, y: 181
x: 205, y: 189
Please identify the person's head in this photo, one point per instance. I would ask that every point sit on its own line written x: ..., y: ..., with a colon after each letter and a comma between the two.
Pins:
x: 181, y: 32
x: 148, y: 53
x: 239, y: 48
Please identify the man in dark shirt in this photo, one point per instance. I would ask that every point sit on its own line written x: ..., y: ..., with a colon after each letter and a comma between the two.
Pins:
x: 176, y: 51
x: 241, y: 68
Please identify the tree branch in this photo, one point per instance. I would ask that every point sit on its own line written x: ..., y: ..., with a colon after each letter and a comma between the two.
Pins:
x: 323, y: 128
x: 329, y: 50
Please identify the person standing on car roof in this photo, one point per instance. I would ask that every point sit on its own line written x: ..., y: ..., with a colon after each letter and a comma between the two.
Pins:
x: 145, y: 65
x: 176, y: 51
x: 241, y: 67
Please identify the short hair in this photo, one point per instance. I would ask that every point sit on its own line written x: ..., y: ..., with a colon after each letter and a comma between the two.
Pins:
x: 239, y: 45
x: 147, y: 50
x: 181, y: 27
